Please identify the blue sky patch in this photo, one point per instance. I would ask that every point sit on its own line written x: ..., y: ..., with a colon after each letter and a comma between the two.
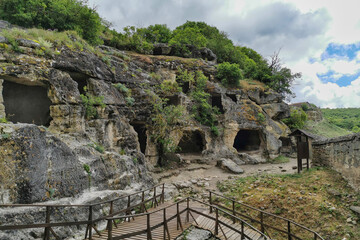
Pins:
x: 334, y: 50
x: 344, y: 80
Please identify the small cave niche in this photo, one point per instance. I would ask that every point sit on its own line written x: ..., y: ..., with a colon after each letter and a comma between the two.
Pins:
x: 247, y: 140
x: 232, y: 97
x: 26, y: 104
x: 173, y: 100
x: 81, y: 80
x: 140, y: 129
x: 216, y: 102
x: 191, y: 142
x: 285, y: 142
x: 185, y: 87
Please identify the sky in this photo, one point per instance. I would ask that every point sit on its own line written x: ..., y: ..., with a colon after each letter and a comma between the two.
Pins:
x: 319, y: 38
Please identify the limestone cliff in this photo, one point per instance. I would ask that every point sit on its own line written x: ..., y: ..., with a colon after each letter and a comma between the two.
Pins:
x: 51, y: 148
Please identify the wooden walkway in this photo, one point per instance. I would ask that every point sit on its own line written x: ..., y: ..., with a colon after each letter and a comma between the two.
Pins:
x: 225, y: 232
x: 139, y: 224
x: 177, y: 218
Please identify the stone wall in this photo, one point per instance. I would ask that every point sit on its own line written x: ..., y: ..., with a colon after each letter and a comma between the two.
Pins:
x: 342, y: 154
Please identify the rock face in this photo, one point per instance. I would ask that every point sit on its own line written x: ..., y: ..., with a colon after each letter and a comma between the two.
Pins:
x: 98, y: 116
x: 197, y: 234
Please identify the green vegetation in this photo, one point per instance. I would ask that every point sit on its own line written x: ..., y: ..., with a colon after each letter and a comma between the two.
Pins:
x: 164, y: 119
x: 280, y: 159
x: 90, y: 103
x: 98, y: 147
x: 347, y: 118
x: 55, y: 14
x: 88, y: 171
x: 325, y: 128
x: 229, y: 74
x: 3, y: 120
x: 75, y: 16
x: 297, y: 119
x: 202, y: 110
x: 305, y: 198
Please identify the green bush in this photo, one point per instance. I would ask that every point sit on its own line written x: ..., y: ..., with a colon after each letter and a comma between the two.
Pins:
x: 98, y: 147
x: 261, y: 118
x: 297, y: 119
x: 229, y: 74
x: 90, y: 102
x: 54, y: 14
x: 305, y: 107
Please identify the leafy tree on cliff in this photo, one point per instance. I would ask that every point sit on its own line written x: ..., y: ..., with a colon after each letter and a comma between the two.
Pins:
x: 54, y: 14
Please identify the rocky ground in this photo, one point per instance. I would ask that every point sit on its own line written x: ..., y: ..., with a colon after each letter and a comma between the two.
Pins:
x: 196, y: 179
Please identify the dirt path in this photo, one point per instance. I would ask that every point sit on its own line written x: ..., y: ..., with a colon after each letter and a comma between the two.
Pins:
x: 205, y: 176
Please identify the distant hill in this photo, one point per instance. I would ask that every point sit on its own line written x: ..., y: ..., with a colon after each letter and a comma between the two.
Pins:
x: 347, y: 118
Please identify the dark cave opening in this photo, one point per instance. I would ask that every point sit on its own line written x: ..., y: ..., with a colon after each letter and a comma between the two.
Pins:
x: 216, y: 102
x: 26, y: 104
x: 140, y: 128
x: 247, y: 140
x: 173, y: 100
x: 191, y: 142
x: 81, y: 80
x: 232, y: 97
x: 185, y: 87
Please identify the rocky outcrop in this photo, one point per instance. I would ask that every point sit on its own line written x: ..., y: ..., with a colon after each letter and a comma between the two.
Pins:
x: 116, y: 142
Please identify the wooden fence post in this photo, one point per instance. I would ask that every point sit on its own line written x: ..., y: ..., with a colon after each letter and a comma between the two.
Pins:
x: 47, y: 220
x: 210, y: 202
x: 262, y: 222
x: 143, y: 207
x: 242, y: 230
x: 90, y: 222
x: 109, y: 229
x: 234, y: 212
x: 149, y: 237
x: 289, y: 231
x: 217, y: 222
x: 163, y: 193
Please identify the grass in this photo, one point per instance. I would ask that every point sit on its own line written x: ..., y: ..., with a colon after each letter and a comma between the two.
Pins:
x: 249, y: 84
x: 303, y: 198
x: 325, y: 129
x: 279, y: 159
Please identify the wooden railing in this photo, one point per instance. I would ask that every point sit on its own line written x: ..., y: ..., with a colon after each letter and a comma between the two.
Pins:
x: 188, y: 210
x: 261, y: 220
x: 153, y: 201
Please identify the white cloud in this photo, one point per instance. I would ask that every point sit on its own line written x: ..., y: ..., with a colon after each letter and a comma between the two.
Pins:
x: 302, y: 29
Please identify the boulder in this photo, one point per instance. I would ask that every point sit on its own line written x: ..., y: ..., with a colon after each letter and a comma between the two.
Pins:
x: 48, y: 168
x: 196, y: 234
x: 85, y: 63
x: 277, y: 111
x: 28, y: 43
x: 207, y: 54
x: 356, y: 209
x: 62, y: 88
x: 3, y: 39
x: 4, y: 25
x: 229, y: 165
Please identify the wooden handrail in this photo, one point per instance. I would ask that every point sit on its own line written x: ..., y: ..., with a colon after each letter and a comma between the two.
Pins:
x: 90, y: 221
x: 261, y: 221
x: 188, y: 208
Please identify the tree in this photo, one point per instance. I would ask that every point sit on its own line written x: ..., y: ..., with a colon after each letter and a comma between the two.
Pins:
x: 282, y: 77
x: 54, y: 14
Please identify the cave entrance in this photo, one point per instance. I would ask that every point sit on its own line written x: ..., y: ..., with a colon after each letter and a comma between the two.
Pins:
x: 140, y: 129
x: 81, y: 80
x: 216, y: 102
x: 247, y: 140
x: 191, y: 142
x: 232, y: 97
x: 173, y: 100
x: 26, y: 104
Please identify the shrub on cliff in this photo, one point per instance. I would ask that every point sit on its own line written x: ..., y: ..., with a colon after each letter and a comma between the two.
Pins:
x: 297, y: 119
x: 229, y: 74
x: 54, y: 14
